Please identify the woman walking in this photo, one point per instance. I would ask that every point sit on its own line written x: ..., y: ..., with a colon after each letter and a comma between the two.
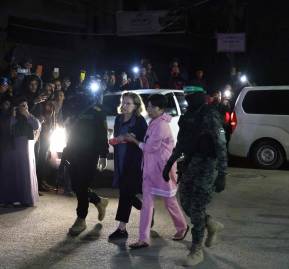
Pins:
x: 157, y: 148
x: 127, y: 159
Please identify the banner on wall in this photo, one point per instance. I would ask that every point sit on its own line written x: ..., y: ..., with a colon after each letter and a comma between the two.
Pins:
x: 149, y: 22
x: 231, y: 42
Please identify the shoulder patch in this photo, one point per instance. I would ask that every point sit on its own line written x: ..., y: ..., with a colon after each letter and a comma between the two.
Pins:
x: 222, y: 136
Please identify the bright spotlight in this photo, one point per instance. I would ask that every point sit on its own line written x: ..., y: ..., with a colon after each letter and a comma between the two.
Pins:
x: 243, y: 79
x: 94, y: 86
x: 227, y: 94
x: 58, y: 140
x: 135, y: 69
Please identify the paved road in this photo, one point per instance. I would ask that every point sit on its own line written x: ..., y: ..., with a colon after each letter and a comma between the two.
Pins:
x: 254, y: 209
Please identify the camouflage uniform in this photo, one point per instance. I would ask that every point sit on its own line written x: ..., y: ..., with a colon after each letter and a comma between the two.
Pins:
x: 202, y: 140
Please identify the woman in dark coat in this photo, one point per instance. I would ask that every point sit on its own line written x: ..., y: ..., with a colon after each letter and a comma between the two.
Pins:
x: 128, y: 159
x: 31, y: 92
x: 17, y: 170
x: 6, y: 147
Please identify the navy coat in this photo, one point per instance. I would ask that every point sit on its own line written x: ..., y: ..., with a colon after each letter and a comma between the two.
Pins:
x: 130, y: 179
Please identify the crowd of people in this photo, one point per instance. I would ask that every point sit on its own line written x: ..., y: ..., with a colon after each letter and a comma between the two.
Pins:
x: 145, y: 154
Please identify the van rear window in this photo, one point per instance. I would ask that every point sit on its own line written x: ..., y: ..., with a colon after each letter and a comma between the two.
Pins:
x: 273, y: 102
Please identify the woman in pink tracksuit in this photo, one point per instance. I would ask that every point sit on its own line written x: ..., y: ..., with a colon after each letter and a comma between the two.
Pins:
x: 157, y: 148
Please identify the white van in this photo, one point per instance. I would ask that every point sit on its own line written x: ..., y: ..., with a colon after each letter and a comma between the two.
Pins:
x: 260, y: 126
x: 176, y: 107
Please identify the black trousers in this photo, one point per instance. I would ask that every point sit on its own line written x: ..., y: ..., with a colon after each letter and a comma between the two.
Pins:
x: 42, y: 166
x: 126, y: 202
x: 82, y: 172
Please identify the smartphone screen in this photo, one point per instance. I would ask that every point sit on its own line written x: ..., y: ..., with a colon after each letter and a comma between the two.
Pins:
x: 82, y: 75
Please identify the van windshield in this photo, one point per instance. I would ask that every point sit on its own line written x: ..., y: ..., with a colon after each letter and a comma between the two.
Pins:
x: 182, y: 101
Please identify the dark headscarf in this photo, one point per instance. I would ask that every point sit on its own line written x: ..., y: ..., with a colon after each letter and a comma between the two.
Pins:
x: 22, y: 127
x: 195, y: 100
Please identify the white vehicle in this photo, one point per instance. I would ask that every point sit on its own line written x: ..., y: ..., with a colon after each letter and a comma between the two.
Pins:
x: 176, y: 107
x: 260, y: 126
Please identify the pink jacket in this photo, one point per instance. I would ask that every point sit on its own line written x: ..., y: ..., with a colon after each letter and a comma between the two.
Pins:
x: 157, y: 148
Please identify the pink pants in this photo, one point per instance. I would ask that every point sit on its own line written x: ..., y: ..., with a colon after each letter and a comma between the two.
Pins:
x: 146, y: 213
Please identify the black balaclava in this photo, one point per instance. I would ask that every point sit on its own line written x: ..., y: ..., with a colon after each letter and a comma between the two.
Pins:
x: 195, y: 100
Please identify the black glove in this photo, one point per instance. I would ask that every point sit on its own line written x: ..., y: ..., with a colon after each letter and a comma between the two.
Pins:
x: 166, y: 171
x: 220, y: 183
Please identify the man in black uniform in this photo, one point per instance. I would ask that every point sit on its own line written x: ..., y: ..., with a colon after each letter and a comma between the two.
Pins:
x: 87, y: 147
x: 222, y: 105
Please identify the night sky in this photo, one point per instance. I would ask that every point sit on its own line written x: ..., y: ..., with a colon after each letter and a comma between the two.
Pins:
x: 265, y: 23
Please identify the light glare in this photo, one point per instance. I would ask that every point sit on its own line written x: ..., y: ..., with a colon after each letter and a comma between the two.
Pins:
x: 243, y: 78
x: 135, y: 69
x: 58, y: 139
x: 94, y: 86
x: 227, y: 94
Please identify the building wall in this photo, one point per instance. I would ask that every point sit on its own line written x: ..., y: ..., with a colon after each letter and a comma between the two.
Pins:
x: 61, y: 21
